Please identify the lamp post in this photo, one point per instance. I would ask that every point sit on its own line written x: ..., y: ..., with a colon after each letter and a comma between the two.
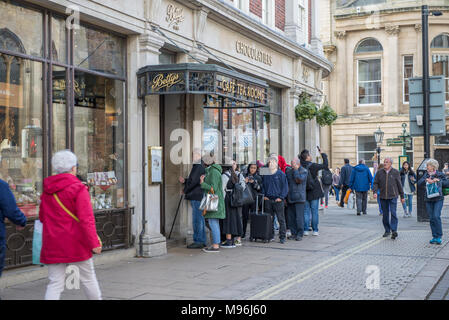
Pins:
x: 378, y: 136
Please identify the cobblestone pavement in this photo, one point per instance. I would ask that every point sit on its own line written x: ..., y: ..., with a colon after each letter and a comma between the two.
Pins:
x: 330, y: 266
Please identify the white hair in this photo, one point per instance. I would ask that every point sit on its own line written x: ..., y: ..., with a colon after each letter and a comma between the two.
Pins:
x: 63, y: 161
x: 433, y: 163
x: 389, y: 158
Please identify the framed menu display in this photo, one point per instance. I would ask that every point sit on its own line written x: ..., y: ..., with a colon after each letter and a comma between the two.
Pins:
x: 154, y: 165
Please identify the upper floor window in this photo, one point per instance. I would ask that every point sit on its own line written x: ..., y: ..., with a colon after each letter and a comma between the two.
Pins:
x: 302, y: 15
x: 440, y: 59
x: 408, y: 73
x: 369, y: 73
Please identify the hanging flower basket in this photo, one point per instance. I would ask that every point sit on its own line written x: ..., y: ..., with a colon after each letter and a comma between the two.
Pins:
x: 305, y: 110
x: 326, y: 116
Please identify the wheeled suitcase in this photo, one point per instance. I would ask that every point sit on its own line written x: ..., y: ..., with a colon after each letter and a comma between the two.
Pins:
x: 261, y: 224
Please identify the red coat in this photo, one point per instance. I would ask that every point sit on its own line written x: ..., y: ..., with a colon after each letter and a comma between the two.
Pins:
x: 64, y: 240
x: 282, y: 163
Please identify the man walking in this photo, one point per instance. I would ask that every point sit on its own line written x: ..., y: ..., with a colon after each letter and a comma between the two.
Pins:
x: 194, y: 193
x: 360, y: 181
x: 275, y: 189
x: 314, y: 190
x: 297, y: 179
x: 388, y: 182
x: 345, y: 175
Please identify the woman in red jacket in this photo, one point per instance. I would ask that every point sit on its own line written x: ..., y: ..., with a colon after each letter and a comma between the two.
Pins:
x: 69, y: 235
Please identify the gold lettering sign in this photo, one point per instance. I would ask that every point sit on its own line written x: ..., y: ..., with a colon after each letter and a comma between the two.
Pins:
x: 253, y: 53
x: 159, y: 81
x: 175, y: 16
x: 231, y: 87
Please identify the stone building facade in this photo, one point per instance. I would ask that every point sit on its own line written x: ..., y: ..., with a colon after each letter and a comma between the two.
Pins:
x: 375, y: 47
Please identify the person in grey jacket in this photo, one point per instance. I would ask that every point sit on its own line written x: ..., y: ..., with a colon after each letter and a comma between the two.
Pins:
x: 345, y: 175
x: 296, y: 198
x: 388, y: 181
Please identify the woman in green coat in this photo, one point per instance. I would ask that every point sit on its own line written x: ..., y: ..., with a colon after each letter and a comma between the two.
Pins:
x: 212, y: 181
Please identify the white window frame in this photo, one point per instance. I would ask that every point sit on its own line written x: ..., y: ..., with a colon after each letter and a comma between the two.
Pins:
x: 445, y: 79
x: 357, y: 147
x: 357, y: 83
x: 404, y: 78
x: 302, y: 15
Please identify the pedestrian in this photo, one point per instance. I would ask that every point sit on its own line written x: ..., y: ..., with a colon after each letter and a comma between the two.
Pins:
x: 434, y: 205
x: 344, y: 180
x: 388, y: 181
x: 326, y: 182
x: 408, y: 180
x: 297, y: 179
x: 275, y: 190
x: 446, y: 169
x: 69, y: 235
x: 381, y: 165
x: 10, y: 211
x: 194, y: 193
x: 313, y: 190
x: 232, y: 226
x: 254, y: 182
x: 336, y: 184
x: 360, y: 181
x: 211, y: 182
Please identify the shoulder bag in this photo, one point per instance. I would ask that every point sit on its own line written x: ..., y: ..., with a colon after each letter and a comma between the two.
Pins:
x: 209, y: 203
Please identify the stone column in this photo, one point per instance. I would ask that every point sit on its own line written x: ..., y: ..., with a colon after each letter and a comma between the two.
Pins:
x: 290, y: 130
x: 317, y: 45
x: 154, y: 244
x: 340, y: 69
x: 292, y: 19
x: 417, y: 71
x: 391, y: 73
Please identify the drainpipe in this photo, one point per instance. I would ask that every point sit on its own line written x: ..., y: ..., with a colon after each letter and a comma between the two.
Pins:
x: 142, y: 233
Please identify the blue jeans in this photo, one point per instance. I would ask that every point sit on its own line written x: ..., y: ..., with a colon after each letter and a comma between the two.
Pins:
x: 337, y: 193
x: 408, y: 202
x: 214, y: 225
x: 380, y: 206
x: 311, y: 209
x: 296, y: 218
x: 199, y: 233
x: 434, y: 208
x: 389, y: 206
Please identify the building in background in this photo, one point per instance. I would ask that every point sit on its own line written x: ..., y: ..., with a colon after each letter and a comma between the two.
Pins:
x: 101, y: 87
x: 376, y: 46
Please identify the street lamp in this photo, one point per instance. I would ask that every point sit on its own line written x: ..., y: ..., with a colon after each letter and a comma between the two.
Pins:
x: 378, y: 136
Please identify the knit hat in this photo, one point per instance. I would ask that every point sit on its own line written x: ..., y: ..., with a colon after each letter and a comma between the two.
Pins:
x: 208, y: 159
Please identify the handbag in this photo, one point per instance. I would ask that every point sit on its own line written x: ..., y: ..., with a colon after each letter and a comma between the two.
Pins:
x: 432, y: 190
x: 37, y: 241
x: 209, y: 203
x: 71, y: 214
x: 348, y: 192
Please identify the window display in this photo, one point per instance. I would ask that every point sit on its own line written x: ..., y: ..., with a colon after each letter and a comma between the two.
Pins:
x: 99, y: 138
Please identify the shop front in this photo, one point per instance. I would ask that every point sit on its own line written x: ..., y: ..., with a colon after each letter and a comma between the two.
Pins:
x: 62, y: 88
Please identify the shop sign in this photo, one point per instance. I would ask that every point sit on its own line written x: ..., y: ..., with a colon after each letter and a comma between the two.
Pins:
x: 167, y: 82
x: 242, y: 90
x: 175, y: 16
x: 253, y: 53
x: 10, y: 95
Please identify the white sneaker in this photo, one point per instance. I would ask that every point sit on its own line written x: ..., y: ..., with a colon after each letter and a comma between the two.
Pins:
x: 306, y: 233
x: 315, y: 233
x: 288, y: 233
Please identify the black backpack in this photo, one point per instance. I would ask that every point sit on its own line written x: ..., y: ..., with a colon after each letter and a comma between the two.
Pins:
x: 310, y: 183
x: 326, y: 177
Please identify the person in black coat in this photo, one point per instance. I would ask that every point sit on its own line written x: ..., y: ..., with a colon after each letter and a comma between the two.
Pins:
x: 345, y: 176
x: 194, y: 193
x: 254, y: 181
x: 314, y: 189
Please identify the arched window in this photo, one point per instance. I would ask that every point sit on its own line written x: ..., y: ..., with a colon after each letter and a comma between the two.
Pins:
x: 369, y: 45
x: 440, y: 58
x: 369, y: 72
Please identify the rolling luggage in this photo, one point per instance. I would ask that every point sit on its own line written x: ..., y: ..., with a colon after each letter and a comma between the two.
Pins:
x: 261, y: 224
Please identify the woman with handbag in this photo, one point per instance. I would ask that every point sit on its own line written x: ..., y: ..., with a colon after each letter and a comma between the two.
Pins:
x: 211, y: 183
x: 253, y: 182
x: 233, y: 187
x: 69, y: 235
x: 434, y: 198
x: 408, y: 179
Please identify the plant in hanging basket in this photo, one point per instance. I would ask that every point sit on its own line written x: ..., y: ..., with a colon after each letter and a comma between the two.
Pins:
x: 326, y: 116
x: 305, y: 110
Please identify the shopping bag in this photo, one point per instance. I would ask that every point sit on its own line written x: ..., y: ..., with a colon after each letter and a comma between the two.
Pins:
x: 432, y: 190
x: 209, y: 203
x: 37, y: 241
x: 351, y: 201
x: 348, y: 192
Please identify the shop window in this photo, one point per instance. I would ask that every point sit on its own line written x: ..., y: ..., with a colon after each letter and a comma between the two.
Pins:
x: 211, y: 136
x: 99, y: 51
x: 21, y: 147
x: 99, y: 138
x: 408, y: 73
x: 59, y: 115
x: 366, y: 148
x: 58, y: 36
x: 442, y: 140
x: 242, y: 136
x: 21, y: 29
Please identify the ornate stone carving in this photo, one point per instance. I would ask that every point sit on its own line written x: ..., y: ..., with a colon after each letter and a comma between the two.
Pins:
x: 340, y: 34
x: 392, y: 30
x: 174, y: 16
x: 418, y: 27
x: 329, y: 49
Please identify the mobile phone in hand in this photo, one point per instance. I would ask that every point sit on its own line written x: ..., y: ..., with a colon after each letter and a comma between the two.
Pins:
x: 319, y: 150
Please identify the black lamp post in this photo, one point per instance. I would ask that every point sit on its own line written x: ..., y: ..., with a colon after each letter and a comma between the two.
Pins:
x: 378, y: 136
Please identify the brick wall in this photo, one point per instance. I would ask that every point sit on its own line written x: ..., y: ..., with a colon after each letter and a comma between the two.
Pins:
x: 280, y: 14
x: 255, y: 7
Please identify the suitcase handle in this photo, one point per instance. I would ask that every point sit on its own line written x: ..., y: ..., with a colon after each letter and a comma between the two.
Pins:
x: 257, y: 203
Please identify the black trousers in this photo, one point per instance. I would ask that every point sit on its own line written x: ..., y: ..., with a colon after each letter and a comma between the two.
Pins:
x: 343, y: 193
x: 246, y: 210
x: 277, y: 208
